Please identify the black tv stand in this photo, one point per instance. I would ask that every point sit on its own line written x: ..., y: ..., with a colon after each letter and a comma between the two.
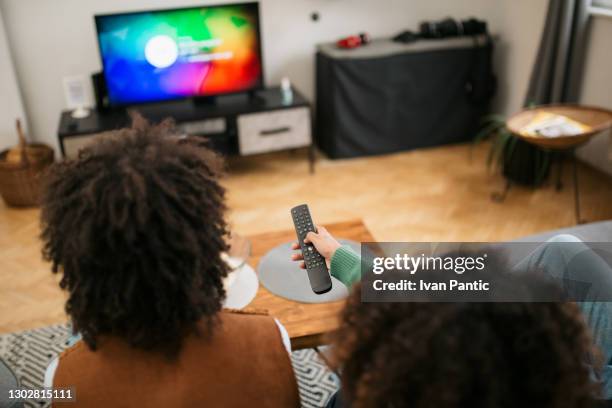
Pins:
x: 238, y: 124
x: 205, y: 100
x: 255, y: 98
x: 252, y: 97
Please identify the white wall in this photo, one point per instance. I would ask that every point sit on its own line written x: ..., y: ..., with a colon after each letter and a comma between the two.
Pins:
x: 519, y: 24
x: 10, y: 100
x: 53, y: 39
x: 597, y: 89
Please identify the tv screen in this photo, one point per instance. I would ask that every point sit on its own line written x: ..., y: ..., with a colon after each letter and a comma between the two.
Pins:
x: 173, y: 54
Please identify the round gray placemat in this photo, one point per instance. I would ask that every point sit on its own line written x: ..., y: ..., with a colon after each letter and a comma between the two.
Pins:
x: 283, y: 277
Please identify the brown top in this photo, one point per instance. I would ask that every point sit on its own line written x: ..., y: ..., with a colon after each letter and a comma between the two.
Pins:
x: 243, y: 364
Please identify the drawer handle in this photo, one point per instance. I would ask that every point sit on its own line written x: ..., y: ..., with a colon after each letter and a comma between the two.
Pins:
x: 270, y: 132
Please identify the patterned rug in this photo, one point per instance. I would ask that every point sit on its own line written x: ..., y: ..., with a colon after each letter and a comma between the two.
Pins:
x: 28, y: 353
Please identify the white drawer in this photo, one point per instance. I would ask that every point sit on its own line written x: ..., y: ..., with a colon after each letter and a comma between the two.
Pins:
x: 276, y: 130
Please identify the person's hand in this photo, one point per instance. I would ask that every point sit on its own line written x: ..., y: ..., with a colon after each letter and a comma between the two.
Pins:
x: 324, y: 243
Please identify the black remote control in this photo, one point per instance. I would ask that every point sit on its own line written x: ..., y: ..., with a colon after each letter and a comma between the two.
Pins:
x: 318, y: 275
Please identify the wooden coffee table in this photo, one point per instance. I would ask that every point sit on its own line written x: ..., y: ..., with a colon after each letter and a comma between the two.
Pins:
x: 306, y: 323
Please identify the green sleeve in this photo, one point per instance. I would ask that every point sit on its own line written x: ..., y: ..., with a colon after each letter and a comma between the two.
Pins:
x: 346, y: 266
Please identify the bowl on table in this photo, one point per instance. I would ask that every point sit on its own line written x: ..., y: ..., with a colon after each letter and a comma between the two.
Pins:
x: 590, y: 120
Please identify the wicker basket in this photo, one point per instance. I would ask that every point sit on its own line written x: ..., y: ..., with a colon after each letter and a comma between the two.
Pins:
x: 20, y: 182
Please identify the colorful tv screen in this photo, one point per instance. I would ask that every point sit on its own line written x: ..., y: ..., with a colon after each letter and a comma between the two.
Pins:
x: 174, y: 54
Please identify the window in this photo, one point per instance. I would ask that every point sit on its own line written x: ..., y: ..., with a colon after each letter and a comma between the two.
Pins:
x: 601, y: 7
x: 602, y: 3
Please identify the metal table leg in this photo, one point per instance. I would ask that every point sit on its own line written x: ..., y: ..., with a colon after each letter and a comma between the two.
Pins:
x: 311, y: 158
x: 559, y: 183
x: 499, y: 197
x: 579, y: 220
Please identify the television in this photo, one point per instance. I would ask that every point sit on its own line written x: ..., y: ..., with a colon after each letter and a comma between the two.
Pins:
x: 163, y: 55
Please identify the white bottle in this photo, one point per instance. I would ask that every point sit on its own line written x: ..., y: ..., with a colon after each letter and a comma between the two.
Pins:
x: 286, y: 91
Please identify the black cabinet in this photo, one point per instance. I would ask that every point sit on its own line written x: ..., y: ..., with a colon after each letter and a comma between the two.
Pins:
x: 386, y: 96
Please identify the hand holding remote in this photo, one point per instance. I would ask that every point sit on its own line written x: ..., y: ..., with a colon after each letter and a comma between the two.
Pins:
x: 315, y: 264
x: 322, y: 240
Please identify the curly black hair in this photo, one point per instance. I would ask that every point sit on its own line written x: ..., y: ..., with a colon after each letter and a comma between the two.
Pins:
x: 136, y: 226
x: 452, y: 355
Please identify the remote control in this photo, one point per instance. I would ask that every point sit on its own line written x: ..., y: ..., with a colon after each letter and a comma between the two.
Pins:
x: 318, y: 275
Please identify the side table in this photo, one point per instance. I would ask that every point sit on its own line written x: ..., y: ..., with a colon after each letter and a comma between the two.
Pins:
x: 597, y: 120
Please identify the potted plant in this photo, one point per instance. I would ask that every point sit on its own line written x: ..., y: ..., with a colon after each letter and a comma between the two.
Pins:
x: 518, y: 161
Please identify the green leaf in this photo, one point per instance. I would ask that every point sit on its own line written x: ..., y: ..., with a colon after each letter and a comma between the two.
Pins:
x: 497, y: 147
x: 505, y: 138
x: 493, y: 117
x: 503, y: 148
x: 511, y: 148
x: 491, y: 155
x: 487, y: 131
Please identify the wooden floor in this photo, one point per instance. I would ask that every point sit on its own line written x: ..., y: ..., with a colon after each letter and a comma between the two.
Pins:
x: 427, y: 195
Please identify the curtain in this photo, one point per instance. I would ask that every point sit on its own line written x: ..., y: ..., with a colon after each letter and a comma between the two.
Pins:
x: 557, y: 72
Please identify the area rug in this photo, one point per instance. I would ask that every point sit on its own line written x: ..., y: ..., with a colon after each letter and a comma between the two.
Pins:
x: 29, y: 352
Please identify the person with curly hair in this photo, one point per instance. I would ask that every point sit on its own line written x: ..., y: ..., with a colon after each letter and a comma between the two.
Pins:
x: 451, y: 355
x: 135, y: 227
x: 561, y: 357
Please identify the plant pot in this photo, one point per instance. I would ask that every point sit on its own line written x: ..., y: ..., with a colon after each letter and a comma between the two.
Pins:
x: 528, y: 165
